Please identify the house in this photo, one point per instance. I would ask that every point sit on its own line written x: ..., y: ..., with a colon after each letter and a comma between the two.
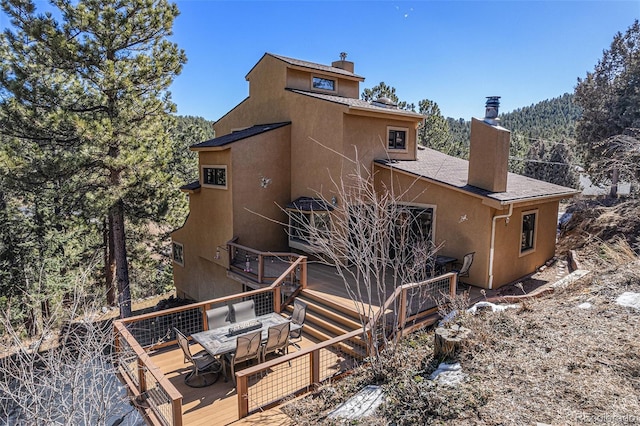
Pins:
x: 285, y: 142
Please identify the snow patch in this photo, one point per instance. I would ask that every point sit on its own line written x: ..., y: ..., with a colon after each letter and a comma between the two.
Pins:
x: 629, y: 300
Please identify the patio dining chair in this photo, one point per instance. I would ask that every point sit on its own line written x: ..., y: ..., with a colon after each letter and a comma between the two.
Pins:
x: 247, y: 349
x: 277, y: 340
x: 204, y: 365
x: 297, y: 317
x: 243, y: 311
x: 463, y: 269
x: 218, y: 317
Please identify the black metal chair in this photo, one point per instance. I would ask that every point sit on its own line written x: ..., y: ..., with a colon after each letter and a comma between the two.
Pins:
x: 204, y: 365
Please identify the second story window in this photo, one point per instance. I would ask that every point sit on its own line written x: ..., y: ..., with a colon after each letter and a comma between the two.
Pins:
x: 214, y: 176
x: 323, y: 84
x: 397, y: 138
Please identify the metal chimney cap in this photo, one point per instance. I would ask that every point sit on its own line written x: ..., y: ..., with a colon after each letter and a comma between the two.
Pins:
x: 491, y: 110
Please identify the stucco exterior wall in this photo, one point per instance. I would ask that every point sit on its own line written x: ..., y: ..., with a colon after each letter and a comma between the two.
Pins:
x: 266, y: 156
x: 208, y: 226
x: 510, y: 264
x: 460, y: 219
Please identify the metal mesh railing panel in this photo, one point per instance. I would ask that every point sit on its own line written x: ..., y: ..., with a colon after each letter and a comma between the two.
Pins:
x: 338, y: 359
x: 274, y: 266
x: 427, y: 295
x: 276, y: 383
x: 128, y: 360
x: 159, y: 329
x: 158, y: 400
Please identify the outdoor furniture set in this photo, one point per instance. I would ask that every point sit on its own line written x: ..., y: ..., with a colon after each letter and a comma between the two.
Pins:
x: 236, y: 335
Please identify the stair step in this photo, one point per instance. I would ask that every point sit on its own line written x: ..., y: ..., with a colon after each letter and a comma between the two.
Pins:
x: 321, y: 299
x: 325, y: 311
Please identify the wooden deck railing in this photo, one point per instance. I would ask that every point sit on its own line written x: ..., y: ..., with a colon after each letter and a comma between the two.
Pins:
x: 134, y: 336
x: 298, y: 372
x: 264, y: 267
x: 292, y: 374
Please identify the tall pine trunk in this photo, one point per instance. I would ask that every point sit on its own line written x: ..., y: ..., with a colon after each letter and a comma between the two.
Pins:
x: 116, y: 217
x: 109, y: 261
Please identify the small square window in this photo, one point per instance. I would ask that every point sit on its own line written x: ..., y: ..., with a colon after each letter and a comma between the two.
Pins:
x: 528, y: 237
x: 214, y: 176
x: 177, y: 253
x: 397, y: 139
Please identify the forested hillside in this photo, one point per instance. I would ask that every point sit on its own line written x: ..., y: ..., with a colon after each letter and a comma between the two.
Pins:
x: 48, y: 245
x: 542, y: 137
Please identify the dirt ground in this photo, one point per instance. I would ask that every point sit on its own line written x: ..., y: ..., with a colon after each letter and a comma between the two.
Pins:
x: 570, y: 357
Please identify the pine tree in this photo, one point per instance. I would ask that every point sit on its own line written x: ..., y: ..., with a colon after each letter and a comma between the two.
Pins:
x: 610, y: 99
x: 434, y: 131
x: 90, y: 92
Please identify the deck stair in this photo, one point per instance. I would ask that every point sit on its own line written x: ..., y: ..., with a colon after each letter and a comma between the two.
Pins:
x: 327, y: 319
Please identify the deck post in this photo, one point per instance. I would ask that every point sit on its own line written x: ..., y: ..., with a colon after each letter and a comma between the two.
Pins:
x: 260, y: 268
x: 402, y: 315
x: 176, y: 407
x: 277, y: 299
x: 142, y: 378
x: 314, y: 365
x: 303, y: 273
x: 243, y: 396
x: 453, y: 285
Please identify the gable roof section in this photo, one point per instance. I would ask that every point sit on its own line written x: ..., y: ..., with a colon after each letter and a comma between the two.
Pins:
x: 453, y: 172
x: 357, y: 104
x: 317, y: 67
x: 239, y: 135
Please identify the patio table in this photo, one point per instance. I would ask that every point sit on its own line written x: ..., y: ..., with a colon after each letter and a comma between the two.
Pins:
x: 220, y: 341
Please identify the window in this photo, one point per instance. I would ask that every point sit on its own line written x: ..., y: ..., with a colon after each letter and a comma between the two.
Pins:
x: 397, y: 138
x: 304, y: 226
x: 177, y: 253
x: 323, y: 84
x: 528, y: 238
x: 214, y: 176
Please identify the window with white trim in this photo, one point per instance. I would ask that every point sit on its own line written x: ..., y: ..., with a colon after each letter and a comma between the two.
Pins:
x: 214, y: 176
x: 177, y: 253
x: 529, y: 228
x: 397, y: 137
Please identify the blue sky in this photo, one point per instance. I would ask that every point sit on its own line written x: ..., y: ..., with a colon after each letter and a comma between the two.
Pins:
x: 453, y: 52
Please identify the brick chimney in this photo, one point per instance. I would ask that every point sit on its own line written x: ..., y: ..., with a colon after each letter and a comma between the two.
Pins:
x: 489, y: 150
x: 343, y: 63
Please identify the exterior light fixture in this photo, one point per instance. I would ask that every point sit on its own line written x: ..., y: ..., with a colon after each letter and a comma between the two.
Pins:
x: 217, y: 252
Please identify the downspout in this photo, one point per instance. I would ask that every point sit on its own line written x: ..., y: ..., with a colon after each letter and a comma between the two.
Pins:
x: 493, y: 241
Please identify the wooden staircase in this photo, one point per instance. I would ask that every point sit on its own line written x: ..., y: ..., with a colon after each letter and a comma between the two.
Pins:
x: 327, y: 319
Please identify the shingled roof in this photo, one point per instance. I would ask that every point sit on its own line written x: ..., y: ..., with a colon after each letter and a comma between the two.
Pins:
x: 357, y: 103
x: 454, y: 172
x: 239, y: 135
x: 314, y: 66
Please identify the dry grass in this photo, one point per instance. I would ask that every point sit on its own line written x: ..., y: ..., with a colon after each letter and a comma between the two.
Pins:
x: 548, y: 362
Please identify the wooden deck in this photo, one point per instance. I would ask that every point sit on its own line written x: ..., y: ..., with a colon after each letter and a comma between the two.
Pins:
x: 216, y: 404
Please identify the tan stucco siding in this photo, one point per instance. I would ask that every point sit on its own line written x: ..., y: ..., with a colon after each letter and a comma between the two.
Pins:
x: 510, y: 264
x: 262, y: 181
x: 460, y: 220
x: 370, y: 135
x: 267, y: 78
x: 316, y: 133
x: 209, y: 226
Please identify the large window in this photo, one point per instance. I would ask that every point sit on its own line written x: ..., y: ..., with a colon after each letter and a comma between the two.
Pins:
x: 177, y: 253
x: 214, y: 176
x: 528, y: 237
x: 309, y: 221
x: 397, y: 138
